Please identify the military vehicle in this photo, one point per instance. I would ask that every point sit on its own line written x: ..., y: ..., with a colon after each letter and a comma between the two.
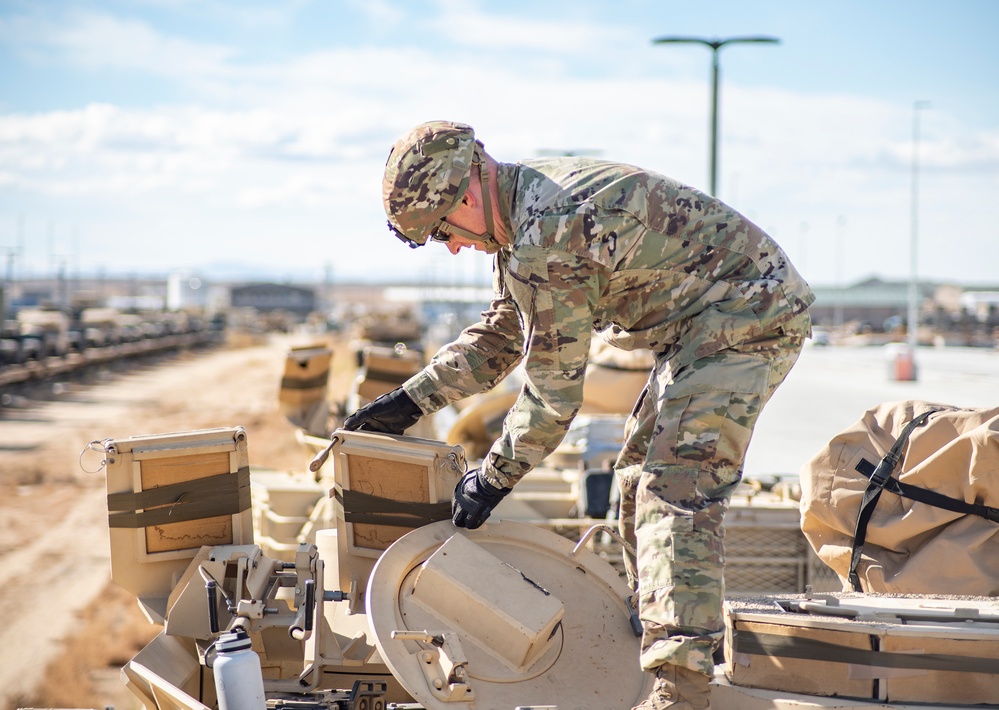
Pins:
x: 394, y: 607
x: 344, y: 586
x: 388, y: 608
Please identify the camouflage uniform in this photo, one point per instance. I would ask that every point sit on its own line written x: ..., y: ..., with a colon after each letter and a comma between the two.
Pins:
x: 649, y: 263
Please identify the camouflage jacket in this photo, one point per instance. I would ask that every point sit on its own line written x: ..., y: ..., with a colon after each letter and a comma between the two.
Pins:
x: 598, y: 246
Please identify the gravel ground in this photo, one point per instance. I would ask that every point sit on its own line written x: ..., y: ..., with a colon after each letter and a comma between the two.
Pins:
x: 53, y: 525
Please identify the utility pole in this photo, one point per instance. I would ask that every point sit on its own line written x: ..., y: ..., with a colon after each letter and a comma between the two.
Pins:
x: 840, y: 286
x: 7, y: 292
x: 913, y: 316
x: 715, y: 44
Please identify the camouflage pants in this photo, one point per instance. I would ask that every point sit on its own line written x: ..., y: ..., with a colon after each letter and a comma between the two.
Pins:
x: 685, y: 445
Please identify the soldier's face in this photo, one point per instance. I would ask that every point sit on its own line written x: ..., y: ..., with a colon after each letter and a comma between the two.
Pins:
x: 457, y: 243
x: 468, y: 215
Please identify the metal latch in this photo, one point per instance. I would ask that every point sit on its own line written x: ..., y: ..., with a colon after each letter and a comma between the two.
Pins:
x: 443, y: 664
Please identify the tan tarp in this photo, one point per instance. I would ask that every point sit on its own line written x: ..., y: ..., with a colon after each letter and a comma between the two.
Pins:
x: 614, y: 378
x: 911, y: 547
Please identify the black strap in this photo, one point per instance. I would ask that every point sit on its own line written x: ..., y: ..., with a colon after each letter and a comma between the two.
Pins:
x: 803, y: 647
x: 933, y: 498
x: 366, y: 508
x: 310, y: 383
x: 393, y: 378
x: 222, y: 494
x: 879, y: 479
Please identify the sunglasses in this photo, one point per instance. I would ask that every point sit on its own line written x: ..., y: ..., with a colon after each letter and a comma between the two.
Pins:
x: 440, y: 233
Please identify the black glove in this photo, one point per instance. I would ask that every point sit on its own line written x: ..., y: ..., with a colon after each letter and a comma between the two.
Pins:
x: 391, y: 413
x: 474, y: 500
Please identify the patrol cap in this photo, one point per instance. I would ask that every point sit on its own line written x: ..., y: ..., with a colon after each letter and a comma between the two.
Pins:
x: 426, y: 175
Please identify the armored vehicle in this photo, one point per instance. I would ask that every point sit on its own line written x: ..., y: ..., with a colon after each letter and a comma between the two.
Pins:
x: 391, y: 606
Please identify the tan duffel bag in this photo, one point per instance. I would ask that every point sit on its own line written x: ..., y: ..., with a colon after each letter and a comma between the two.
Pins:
x: 907, y: 501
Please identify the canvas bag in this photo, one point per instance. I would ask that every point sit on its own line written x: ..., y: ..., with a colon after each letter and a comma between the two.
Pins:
x: 946, y: 543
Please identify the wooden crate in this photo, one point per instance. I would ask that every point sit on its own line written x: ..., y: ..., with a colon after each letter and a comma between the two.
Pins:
x: 383, y: 370
x: 386, y: 486
x: 899, y: 648
x: 303, y: 384
x: 168, y: 495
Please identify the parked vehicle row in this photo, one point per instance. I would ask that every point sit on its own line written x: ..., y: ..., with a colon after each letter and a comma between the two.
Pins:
x: 42, y: 343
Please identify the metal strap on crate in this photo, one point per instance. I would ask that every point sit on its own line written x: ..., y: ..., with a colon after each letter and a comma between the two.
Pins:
x: 223, y: 494
x: 310, y: 383
x: 365, y: 508
x: 779, y: 646
x: 395, y: 378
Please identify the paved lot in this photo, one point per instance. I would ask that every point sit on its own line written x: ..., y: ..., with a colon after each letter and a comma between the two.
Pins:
x: 831, y: 387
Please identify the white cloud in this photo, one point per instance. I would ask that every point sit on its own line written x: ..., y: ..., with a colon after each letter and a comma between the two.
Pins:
x: 290, y: 153
x: 381, y: 12
x: 464, y: 23
x: 100, y: 41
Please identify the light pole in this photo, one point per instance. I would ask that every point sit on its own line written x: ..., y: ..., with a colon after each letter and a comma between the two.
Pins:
x: 838, y: 310
x: 913, y: 316
x: 715, y: 44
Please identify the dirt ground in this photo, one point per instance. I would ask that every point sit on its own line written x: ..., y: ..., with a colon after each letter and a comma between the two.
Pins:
x: 65, y: 628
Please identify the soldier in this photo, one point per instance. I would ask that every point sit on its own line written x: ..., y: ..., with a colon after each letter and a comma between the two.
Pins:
x: 584, y: 246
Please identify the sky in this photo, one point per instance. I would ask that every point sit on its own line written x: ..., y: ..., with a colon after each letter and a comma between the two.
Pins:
x: 247, y: 138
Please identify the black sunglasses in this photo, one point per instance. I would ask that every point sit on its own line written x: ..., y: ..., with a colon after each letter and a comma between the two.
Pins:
x: 439, y: 234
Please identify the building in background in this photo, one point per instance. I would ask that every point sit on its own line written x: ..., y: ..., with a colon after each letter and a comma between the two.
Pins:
x: 272, y: 306
x: 186, y: 291
x: 947, y: 314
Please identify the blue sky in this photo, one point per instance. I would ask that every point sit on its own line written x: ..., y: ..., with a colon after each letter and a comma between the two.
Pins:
x: 249, y: 137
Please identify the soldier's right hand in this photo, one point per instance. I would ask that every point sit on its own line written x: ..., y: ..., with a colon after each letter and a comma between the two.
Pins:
x: 474, y: 499
x: 390, y: 413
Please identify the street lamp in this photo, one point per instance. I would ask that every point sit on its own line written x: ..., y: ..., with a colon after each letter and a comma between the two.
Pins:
x: 913, y: 273
x: 838, y: 310
x: 715, y: 45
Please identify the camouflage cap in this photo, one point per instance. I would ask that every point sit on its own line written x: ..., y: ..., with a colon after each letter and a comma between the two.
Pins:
x: 426, y: 174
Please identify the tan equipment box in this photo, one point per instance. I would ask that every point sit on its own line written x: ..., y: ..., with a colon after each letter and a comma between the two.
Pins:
x: 386, y: 486
x: 384, y: 369
x: 168, y: 495
x: 302, y: 396
x: 895, y: 649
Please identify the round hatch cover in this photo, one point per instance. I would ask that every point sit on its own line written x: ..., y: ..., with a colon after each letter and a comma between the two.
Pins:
x: 505, y: 616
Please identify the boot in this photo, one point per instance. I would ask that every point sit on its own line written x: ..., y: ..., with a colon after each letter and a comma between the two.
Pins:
x: 678, y: 688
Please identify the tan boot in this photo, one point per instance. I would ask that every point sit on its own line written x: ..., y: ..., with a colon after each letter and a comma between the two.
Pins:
x: 678, y: 688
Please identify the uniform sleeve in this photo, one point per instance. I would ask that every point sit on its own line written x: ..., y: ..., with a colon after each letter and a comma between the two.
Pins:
x: 556, y: 291
x: 481, y: 356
